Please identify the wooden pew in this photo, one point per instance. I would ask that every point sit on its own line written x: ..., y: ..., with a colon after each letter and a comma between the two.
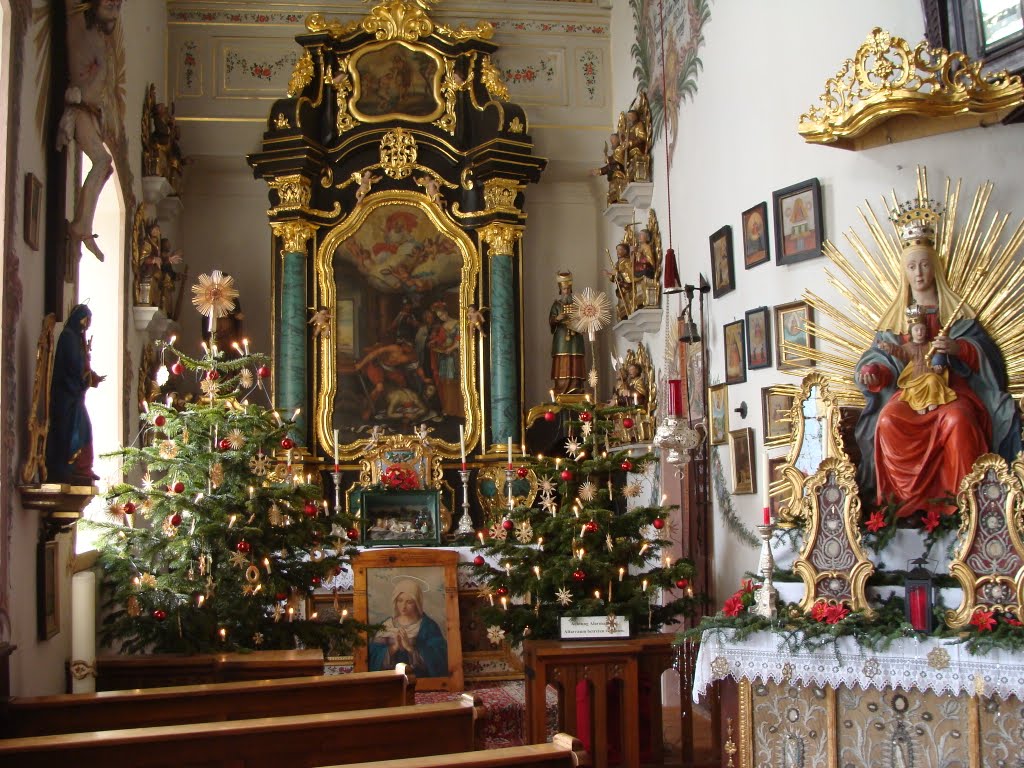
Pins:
x: 297, y: 741
x: 70, y: 713
x: 563, y: 751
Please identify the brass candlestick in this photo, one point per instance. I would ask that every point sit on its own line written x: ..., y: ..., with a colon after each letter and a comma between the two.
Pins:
x: 466, y: 521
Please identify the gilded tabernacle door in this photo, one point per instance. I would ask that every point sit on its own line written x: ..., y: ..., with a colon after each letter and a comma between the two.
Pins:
x: 400, y: 277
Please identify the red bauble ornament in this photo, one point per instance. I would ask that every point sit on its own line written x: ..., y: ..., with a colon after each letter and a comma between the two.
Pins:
x: 478, y: 560
x: 507, y: 524
x: 281, y: 596
x: 658, y: 523
x: 178, y: 487
x: 129, y: 508
x: 627, y: 423
x: 177, y: 368
x: 315, y: 580
x: 243, y: 546
x: 627, y: 465
x: 682, y: 583
x: 579, y: 575
x: 549, y: 416
x: 159, y: 420
x: 225, y: 444
x: 159, y: 614
x: 567, y: 474
x: 501, y: 591
x: 590, y: 526
x: 287, y: 443
x: 212, y: 374
x: 522, y: 471
x: 352, y: 533
x: 263, y: 372
x: 310, y: 509
x: 585, y: 416
x: 176, y: 520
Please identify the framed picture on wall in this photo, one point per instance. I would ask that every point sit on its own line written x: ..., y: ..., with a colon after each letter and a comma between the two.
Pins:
x: 735, y: 356
x: 799, y: 231
x: 718, y: 404
x: 755, y: 236
x: 791, y: 331
x: 741, y: 444
x: 48, y: 590
x: 33, y: 210
x: 775, y: 410
x: 723, y: 273
x: 759, y: 338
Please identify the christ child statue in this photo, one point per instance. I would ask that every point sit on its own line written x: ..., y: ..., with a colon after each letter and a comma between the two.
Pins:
x: 924, y: 381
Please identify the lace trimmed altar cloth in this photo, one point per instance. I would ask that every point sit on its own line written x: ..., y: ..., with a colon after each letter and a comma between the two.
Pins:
x: 940, y: 665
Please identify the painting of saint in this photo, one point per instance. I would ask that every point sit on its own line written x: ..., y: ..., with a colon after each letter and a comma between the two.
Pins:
x: 755, y: 235
x: 718, y: 399
x: 395, y: 80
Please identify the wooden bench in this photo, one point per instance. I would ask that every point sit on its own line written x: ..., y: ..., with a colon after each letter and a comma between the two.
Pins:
x: 563, y: 751
x: 297, y: 741
x: 70, y: 713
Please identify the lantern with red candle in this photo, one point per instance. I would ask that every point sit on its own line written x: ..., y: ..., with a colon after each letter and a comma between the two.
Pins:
x: 919, y: 596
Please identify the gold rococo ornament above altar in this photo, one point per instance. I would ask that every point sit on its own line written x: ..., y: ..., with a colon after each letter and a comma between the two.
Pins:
x: 399, y: 20
x: 891, y: 91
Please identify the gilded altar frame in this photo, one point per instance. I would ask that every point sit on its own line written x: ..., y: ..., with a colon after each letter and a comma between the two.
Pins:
x: 326, y: 351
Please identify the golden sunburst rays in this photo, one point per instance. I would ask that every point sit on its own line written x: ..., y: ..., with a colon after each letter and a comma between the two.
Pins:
x: 982, y: 265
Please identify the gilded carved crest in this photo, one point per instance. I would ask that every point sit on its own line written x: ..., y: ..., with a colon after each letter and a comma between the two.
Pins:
x: 398, y: 153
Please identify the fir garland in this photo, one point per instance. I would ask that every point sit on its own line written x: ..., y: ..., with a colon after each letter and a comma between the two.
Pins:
x: 724, y: 499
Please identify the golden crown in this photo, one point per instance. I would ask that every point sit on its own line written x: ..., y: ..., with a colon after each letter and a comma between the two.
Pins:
x: 916, y: 221
x: 914, y: 314
x: 565, y: 278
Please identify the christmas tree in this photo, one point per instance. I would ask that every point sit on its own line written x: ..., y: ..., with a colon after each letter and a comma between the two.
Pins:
x: 220, y: 542
x: 586, y: 548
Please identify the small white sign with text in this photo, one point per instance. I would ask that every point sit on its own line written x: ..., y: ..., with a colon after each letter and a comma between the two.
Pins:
x: 593, y: 627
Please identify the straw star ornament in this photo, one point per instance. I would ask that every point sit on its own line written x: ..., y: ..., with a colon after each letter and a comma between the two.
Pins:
x: 214, y: 295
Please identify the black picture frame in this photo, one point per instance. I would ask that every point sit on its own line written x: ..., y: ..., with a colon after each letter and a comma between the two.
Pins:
x: 791, y: 328
x: 735, y: 352
x: 723, y: 269
x: 48, y: 590
x: 775, y: 410
x: 759, y: 338
x: 33, y: 210
x: 400, y: 518
x: 754, y: 234
x: 799, y: 232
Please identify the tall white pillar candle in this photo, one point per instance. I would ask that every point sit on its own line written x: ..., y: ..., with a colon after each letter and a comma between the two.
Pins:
x: 83, y: 632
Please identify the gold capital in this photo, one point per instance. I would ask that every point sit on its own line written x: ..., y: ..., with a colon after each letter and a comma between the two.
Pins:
x: 501, y: 238
x: 500, y: 195
x: 294, y: 234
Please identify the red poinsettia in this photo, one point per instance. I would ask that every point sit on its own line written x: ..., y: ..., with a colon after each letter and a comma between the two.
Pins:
x: 836, y: 613
x: 733, y: 606
x: 876, y: 522
x: 818, y: 610
x: 983, y: 620
x: 931, y: 520
x: 1011, y: 620
x: 399, y: 478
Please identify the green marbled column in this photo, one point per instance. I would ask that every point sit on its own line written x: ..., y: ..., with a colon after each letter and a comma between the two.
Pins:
x: 503, y: 332
x: 292, y: 386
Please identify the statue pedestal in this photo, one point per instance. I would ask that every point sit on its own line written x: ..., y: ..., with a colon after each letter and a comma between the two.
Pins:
x: 639, y: 194
x: 61, y: 505
x: 619, y: 214
x: 640, y: 322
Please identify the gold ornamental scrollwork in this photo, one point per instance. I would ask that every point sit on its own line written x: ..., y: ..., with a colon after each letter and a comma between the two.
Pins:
x: 500, y: 195
x: 889, y: 79
x: 491, y: 77
x: 398, y: 153
x: 294, y: 193
x: 501, y: 239
x: 281, y: 122
x: 450, y: 88
x: 342, y: 83
x: 302, y: 75
x: 317, y: 22
x: 294, y: 234
x: 398, y: 20
x: 515, y: 125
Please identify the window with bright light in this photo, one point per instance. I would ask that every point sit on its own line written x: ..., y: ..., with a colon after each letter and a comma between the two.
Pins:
x: 100, y: 286
x: 1001, y: 22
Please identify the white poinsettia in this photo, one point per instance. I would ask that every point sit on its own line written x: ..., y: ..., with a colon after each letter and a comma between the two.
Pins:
x: 495, y: 634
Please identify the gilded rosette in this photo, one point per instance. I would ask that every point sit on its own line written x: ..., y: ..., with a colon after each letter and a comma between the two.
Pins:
x: 888, y: 79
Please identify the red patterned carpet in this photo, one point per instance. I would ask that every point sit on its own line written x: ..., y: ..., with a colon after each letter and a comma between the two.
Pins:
x: 504, y: 706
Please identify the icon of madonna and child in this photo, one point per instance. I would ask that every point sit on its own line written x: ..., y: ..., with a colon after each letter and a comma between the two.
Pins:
x: 399, y: 341
x: 935, y: 384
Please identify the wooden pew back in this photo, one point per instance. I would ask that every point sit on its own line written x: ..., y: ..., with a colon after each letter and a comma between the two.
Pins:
x: 297, y: 741
x: 71, y: 713
x: 563, y: 751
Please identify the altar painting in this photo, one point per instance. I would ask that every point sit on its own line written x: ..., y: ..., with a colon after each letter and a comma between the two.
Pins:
x: 398, y: 350
x: 395, y: 80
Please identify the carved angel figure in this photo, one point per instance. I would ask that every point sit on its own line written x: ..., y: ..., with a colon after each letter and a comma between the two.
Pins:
x: 432, y: 188
x: 476, y: 319
x: 321, y: 322
x: 365, y: 180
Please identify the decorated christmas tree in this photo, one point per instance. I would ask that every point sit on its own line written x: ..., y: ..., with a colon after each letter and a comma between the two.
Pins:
x: 587, y: 547
x: 219, y: 543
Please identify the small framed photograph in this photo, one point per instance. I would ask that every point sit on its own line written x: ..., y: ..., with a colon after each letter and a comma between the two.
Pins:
x: 759, y: 338
x: 413, y: 597
x: 775, y: 503
x: 400, y: 518
x: 48, y: 590
x: 755, y: 236
x: 791, y: 331
x: 723, y: 273
x: 741, y: 444
x: 33, y: 210
x: 799, y: 228
x: 735, y: 356
x: 775, y: 409
x: 718, y: 404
